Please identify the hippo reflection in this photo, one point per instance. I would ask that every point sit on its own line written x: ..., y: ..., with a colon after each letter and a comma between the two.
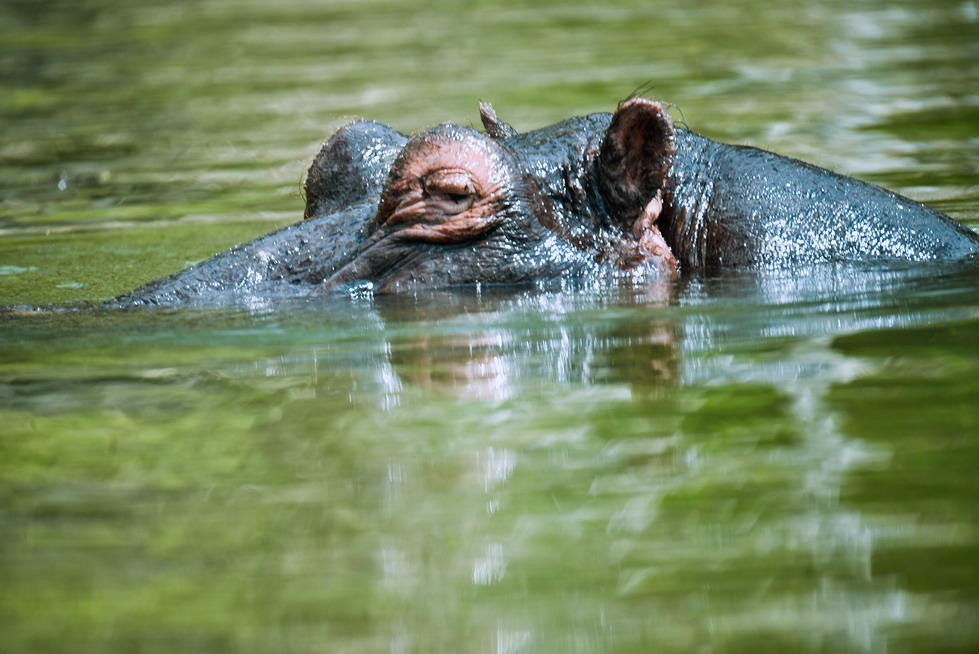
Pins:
x: 597, y: 197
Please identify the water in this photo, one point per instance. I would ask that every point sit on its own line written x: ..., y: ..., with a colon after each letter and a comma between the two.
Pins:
x: 774, y: 463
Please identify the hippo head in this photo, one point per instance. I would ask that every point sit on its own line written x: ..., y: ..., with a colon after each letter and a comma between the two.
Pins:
x: 453, y: 206
x: 589, y: 198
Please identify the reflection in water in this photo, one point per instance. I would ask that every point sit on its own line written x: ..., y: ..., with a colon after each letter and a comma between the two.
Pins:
x: 570, y: 338
x: 490, y: 566
x: 468, y: 365
x: 694, y: 441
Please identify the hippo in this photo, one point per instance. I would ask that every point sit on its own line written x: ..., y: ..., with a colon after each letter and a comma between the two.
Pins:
x: 627, y: 195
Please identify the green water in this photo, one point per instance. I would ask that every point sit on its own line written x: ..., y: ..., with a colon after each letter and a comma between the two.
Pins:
x: 780, y: 463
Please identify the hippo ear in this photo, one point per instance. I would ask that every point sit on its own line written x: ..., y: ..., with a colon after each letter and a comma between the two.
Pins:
x: 635, y: 157
x: 495, y: 128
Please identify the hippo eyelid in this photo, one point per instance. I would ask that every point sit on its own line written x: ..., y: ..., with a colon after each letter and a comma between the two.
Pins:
x: 450, y: 204
x: 451, y: 190
x: 456, y: 184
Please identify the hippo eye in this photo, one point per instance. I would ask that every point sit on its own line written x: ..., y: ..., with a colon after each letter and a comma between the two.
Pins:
x: 450, y: 191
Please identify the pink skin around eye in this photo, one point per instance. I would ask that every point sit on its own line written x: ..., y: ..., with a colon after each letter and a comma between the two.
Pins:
x: 451, y: 181
x: 446, y: 190
x: 451, y: 191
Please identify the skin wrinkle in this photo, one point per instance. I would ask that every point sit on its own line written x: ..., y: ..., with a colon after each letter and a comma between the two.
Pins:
x: 373, y: 263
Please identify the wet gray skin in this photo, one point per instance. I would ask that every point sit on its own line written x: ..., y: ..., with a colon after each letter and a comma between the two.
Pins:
x: 597, y: 197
